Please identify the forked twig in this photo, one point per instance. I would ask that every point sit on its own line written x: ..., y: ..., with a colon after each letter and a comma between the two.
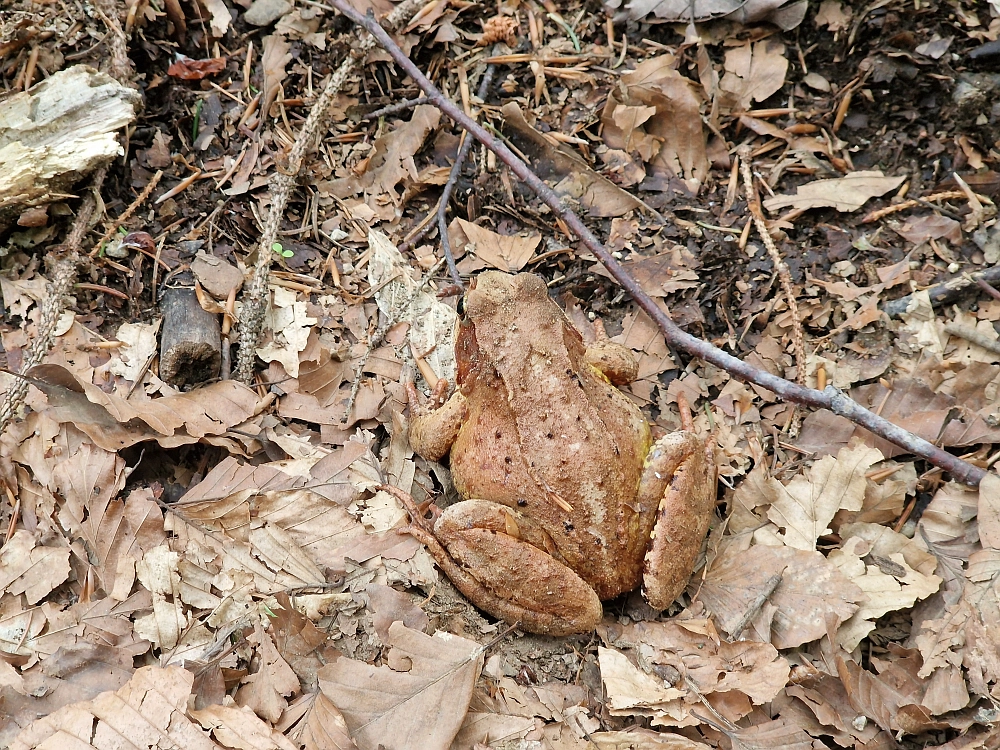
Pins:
x: 830, y: 398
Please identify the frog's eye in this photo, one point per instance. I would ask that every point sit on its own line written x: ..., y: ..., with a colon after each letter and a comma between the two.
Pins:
x: 461, y: 306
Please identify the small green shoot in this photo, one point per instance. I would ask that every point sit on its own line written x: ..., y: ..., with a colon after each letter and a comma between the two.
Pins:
x: 281, y: 251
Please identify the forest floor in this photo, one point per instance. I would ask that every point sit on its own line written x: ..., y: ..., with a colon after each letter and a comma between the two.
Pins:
x: 213, y: 564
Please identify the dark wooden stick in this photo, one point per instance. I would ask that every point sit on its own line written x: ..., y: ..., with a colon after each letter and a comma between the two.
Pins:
x: 830, y: 398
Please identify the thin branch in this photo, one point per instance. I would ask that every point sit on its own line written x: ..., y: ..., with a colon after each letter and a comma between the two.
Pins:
x: 830, y: 398
x: 449, y: 188
x: 753, y: 205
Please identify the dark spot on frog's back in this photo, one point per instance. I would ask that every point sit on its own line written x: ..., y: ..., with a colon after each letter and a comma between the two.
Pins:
x: 521, y: 502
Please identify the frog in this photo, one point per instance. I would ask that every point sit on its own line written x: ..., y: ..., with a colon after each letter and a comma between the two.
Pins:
x: 566, y: 499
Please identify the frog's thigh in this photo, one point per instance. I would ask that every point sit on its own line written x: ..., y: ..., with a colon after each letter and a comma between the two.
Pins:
x: 510, y: 578
x: 680, y: 479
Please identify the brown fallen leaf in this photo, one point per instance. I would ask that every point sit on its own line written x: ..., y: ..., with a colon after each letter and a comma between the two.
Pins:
x: 656, y: 112
x: 150, y: 709
x: 240, y: 728
x: 113, y: 422
x: 741, y: 589
x: 194, y: 70
x: 30, y: 568
x: 803, y: 508
x: 418, y: 699
x: 754, y: 71
x: 324, y: 727
x: 786, y: 14
x: 848, y: 193
x: 508, y: 253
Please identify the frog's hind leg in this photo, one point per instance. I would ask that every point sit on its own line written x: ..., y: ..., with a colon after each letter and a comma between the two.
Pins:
x: 679, y: 479
x: 483, y: 552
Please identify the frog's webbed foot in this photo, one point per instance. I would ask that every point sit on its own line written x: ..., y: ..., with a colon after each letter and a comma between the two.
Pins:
x: 434, y: 426
x: 615, y: 361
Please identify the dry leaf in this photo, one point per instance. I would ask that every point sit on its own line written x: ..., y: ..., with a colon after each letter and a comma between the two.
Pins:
x: 289, y: 325
x: 786, y: 14
x: 847, y: 193
x: 265, y: 690
x: 148, y: 710
x: 577, y: 179
x: 803, y: 509
x: 417, y: 700
x: 670, y: 138
x: 239, y: 728
x: 786, y: 596
x: 753, y: 72
x: 989, y: 511
x: 29, y: 568
x: 508, y: 253
x: 432, y: 323
x: 325, y: 727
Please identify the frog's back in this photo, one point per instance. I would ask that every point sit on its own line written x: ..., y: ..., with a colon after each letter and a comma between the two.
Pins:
x: 547, y: 435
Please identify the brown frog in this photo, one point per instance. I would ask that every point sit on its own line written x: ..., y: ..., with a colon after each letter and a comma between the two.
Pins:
x: 571, y: 502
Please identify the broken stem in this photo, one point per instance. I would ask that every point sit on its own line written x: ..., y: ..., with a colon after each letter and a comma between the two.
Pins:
x: 830, y: 398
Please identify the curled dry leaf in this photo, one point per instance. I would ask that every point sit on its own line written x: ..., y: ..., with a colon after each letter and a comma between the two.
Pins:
x: 847, y: 193
x: 803, y: 509
x: 656, y: 112
x: 734, y: 676
x: 29, y: 568
x: 786, y: 14
x: 240, y: 728
x: 113, y: 422
x: 784, y: 595
x: 508, y: 253
x: 754, y: 71
x: 577, y: 179
x: 417, y: 700
x: 194, y: 70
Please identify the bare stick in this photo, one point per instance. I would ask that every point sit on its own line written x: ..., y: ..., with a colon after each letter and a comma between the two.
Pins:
x: 830, y: 398
x: 753, y: 205
x: 255, y: 300
x: 449, y: 188
x: 67, y: 259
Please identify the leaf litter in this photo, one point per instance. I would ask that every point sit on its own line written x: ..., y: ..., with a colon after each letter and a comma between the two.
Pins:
x: 218, y: 568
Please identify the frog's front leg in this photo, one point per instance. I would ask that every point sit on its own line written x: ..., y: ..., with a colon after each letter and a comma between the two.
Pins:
x: 434, y: 427
x: 678, y: 478
x: 614, y: 361
x: 497, y: 559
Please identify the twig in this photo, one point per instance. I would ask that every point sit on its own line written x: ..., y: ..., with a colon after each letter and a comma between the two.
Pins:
x: 56, y: 292
x: 948, y: 195
x: 255, y: 301
x: 945, y: 292
x: 393, y: 109
x: 830, y: 398
x: 784, y: 275
x: 449, y: 188
x: 128, y: 212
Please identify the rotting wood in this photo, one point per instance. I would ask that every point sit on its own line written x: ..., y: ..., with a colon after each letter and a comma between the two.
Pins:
x: 191, y: 343
x: 58, y: 132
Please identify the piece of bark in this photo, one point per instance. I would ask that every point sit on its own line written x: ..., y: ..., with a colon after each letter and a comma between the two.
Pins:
x: 57, y: 132
x: 191, y: 344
